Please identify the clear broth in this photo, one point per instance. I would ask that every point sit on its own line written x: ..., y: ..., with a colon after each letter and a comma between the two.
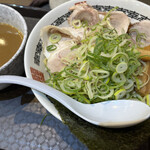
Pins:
x: 10, y: 41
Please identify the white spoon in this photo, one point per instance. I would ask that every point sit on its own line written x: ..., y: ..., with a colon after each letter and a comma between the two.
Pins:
x: 114, y: 114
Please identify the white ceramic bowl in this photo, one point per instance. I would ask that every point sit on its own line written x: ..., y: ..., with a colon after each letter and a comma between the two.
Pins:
x: 15, y: 66
x: 34, y: 66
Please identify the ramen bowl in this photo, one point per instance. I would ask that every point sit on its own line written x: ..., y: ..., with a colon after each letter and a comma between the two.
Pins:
x: 34, y: 57
x: 14, y: 65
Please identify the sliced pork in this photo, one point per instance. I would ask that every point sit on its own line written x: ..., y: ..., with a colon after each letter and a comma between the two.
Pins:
x: 143, y: 28
x: 118, y: 20
x: 57, y: 61
x: 55, y: 58
x: 82, y: 11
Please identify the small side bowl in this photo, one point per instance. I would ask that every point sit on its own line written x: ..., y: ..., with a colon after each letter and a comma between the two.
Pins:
x: 15, y: 66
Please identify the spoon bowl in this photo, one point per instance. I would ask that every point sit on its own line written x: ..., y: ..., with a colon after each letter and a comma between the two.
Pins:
x: 112, y: 114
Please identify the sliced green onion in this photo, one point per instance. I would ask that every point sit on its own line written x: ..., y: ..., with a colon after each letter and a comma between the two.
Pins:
x: 45, y: 61
x: 55, y: 38
x: 108, y: 95
x: 120, y: 93
x: 116, y: 85
x: 71, y: 72
x: 121, y: 67
x: 76, y: 24
x: 100, y: 73
x: 86, y: 77
x: 82, y: 98
x: 118, y: 77
x: 51, y: 48
x: 106, y: 80
x: 109, y: 36
x: 136, y: 96
x: 84, y: 23
x: 109, y: 54
x: 147, y: 80
x: 129, y: 83
x: 123, y: 42
x: 148, y: 99
x: 130, y: 89
x: 92, y: 42
x: 70, y: 86
x: 117, y: 58
x: 107, y: 15
x: 139, y: 36
x: 74, y: 47
x: 138, y: 82
x: 83, y: 71
x: 81, y: 51
x: 89, y: 90
x: 102, y: 88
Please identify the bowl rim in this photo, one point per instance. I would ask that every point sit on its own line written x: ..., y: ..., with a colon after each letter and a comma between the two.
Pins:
x: 24, y: 37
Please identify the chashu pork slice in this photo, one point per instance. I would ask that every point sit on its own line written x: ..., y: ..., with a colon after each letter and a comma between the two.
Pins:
x: 69, y: 38
x: 78, y: 34
x: 57, y: 60
x: 50, y: 29
x: 143, y: 27
x: 82, y: 11
x: 118, y: 20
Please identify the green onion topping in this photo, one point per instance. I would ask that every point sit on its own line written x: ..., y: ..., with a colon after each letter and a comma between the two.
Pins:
x: 51, y: 48
x: 55, y: 38
x: 106, y: 65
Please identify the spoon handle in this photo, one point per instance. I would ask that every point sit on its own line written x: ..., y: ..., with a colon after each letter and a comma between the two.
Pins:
x: 39, y: 86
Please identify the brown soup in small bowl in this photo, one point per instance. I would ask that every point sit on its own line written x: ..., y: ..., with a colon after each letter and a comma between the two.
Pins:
x: 10, y: 41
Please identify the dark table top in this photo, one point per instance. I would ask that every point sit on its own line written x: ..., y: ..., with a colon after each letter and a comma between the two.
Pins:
x: 145, y: 1
x: 21, y: 113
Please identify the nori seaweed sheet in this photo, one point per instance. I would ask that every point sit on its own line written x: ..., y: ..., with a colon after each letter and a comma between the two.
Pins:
x: 100, y: 138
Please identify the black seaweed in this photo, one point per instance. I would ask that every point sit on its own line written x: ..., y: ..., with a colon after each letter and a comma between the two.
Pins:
x: 100, y: 138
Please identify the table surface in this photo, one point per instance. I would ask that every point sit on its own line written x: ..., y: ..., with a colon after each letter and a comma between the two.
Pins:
x: 21, y: 114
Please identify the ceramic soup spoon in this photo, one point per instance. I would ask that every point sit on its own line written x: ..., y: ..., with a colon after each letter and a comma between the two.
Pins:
x: 112, y: 114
